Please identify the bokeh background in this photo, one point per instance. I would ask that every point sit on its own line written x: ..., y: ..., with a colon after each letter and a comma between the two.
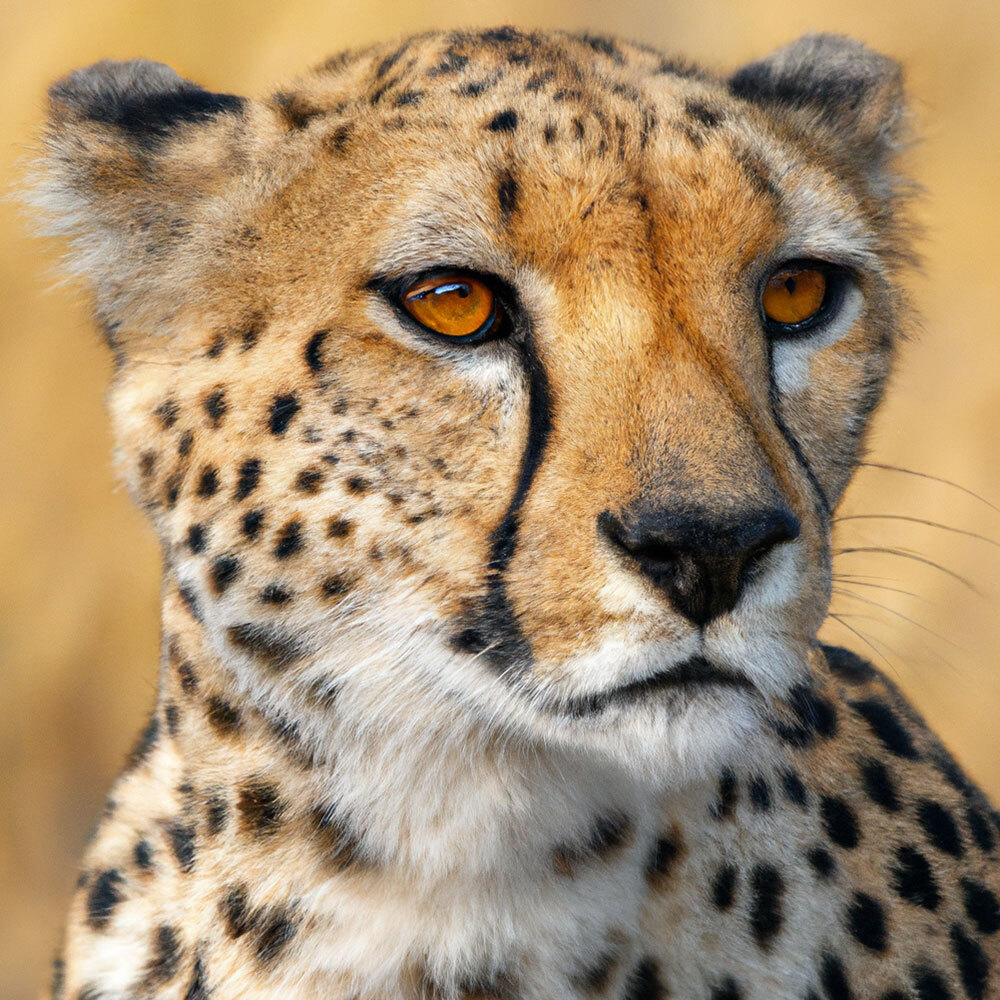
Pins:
x: 78, y: 587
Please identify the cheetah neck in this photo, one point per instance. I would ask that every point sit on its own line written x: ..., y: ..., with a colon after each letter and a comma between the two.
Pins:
x: 428, y: 864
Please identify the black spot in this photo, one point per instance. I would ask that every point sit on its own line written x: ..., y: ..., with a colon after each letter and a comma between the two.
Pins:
x: 190, y: 600
x: 981, y: 906
x: 840, y: 822
x: 172, y: 489
x: 913, y: 880
x: 886, y: 726
x: 793, y: 788
x: 665, y: 853
x: 144, y: 745
x: 760, y: 794
x: 644, y: 983
x: 188, y: 678
x: 235, y: 911
x: 338, y: 527
x: 538, y: 80
x: 979, y: 827
x: 973, y: 965
x: 260, y: 807
x: 217, y: 811
x: 215, y: 405
x: 276, y: 928
x: 407, y: 97
x: 208, y: 481
x: 252, y: 521
x: 389, y: 61
x: 275, y: 594
x: 729, y: 792
x: 503, y: 121
x: 104, y: 895
x: 172, y: 717
x: 289, y: 539
x: 167, y: 413
x: 507, y: 192
x: 878, y: 784
x: 147, y: 463
x: 603, y: 46
x: 142, y: 854
x: 314, y: 350
x: 340, y: 846
x: 309, y: 480
x: 814, y: 716
x: 724, y: 887
x: 834, y: 979
x: 197, y: 990
x: 249, y: 477
x: 222, y: 716
x: 283, y: 409
x: 821, y: 861
x: 181, y: 837
x: 185, y: 444
x: 728, y: 990
x: 196, y: 538
x: 217, y: 346
x: 952, y: 773
x: 866, y: 922
x: 57, y: 984
x: 550, y: 133
x: 358, y: 484
x: 940, y: 827
x: 597, y: 976
x: 275, y: 647
x: 225, y: 569
x: 166, y: 956
x: 335, y: 586
x: 930, y: 985
x: 702, y: 113
x: 767, y: 888
x: 338, y: 140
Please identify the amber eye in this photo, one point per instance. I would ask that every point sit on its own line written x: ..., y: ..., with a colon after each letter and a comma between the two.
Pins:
x: 794, y: 295
x: 456, y: 306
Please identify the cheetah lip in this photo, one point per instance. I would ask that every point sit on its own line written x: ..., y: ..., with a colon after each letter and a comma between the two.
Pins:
x: 696, y: 671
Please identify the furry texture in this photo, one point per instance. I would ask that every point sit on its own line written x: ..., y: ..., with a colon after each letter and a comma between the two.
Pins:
x: 425, y: 729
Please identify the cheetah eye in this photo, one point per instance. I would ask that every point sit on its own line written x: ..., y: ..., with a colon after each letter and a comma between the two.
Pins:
x: 799, y: 295
x: 459, y: 307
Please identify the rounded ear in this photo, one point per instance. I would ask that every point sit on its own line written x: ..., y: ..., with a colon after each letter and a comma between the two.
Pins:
x: 130, y: 151
x: 839, y: 85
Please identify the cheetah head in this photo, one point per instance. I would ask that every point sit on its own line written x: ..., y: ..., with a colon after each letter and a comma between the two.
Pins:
x: 496, y: 379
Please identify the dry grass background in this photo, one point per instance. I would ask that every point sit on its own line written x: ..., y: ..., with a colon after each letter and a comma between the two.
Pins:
x: 78, y: 591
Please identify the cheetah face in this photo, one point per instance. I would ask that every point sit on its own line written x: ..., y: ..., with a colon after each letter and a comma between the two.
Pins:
x: 499, y: 377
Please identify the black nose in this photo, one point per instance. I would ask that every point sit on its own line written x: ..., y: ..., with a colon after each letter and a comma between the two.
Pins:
x: 701, y: 561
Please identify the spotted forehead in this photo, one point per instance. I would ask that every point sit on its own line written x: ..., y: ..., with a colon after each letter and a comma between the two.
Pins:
x: 603, y: 94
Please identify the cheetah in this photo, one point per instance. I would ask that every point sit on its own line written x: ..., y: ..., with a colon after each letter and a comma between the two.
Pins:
x: 491, y: 394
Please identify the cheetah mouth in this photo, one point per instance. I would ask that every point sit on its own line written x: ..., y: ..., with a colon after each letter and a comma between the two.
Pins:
x: 695, y: 672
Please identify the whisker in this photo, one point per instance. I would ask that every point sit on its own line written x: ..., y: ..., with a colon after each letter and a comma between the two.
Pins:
x: 918, y: 520
x: 879, y: 586
x: 899, y: 614
x: 935, y: 479
x: 850, y: 628
x: 902, y: 554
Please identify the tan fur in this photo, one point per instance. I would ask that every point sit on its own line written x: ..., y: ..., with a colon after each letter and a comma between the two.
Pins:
x: 385, y: 760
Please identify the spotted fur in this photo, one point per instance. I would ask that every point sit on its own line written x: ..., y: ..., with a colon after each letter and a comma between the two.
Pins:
x: 429, y: 725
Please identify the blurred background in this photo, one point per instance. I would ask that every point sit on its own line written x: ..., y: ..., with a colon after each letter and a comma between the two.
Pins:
x: 78, y: 590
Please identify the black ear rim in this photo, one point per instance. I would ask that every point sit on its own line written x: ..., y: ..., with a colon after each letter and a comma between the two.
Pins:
x: 829, y: 74
x: 146, y: 100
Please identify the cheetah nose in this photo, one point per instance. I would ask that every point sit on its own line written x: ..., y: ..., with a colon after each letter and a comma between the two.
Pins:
x: 702, y: 562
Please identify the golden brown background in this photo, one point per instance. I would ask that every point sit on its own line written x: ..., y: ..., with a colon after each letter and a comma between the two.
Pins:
x: 78, y: 587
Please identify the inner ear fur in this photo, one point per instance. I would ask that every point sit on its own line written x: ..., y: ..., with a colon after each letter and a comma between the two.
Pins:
x: 838, y: 85
x: 131, y: 151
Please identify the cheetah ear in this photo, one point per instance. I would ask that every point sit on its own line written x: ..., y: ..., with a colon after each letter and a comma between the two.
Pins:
x: 130, y: 151
x: 837, y: 84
